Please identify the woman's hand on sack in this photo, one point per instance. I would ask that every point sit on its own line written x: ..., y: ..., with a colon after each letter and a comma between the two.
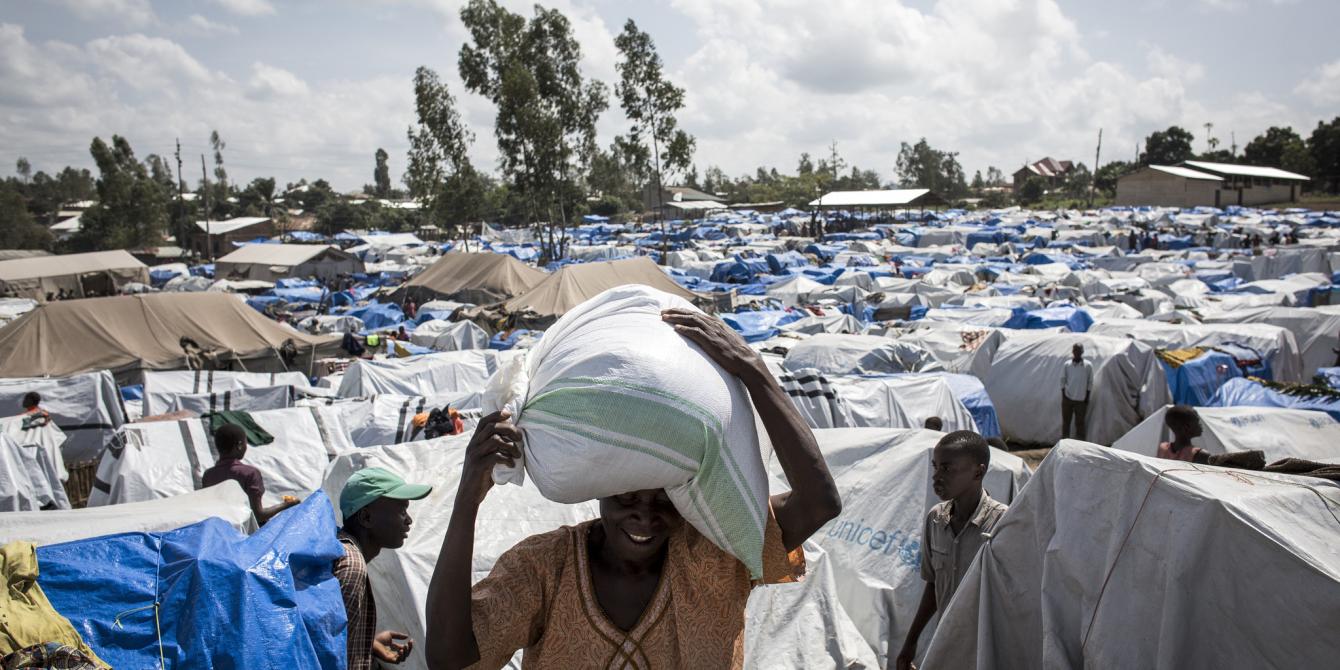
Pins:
x: 496, y: 441
x: 716, y: 339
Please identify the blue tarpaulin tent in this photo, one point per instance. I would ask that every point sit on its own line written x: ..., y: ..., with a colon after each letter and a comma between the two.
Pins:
x: 1247, y: 393
x: 207, y: 596
x: 758, y: 326
x: 1331, y: 376
x: 1076, y: 319
x: 1196, y: 381
x: 377, y: 315
x: 504, y: 340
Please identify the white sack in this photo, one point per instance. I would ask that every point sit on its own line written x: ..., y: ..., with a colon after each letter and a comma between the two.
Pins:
x: 614, y: 400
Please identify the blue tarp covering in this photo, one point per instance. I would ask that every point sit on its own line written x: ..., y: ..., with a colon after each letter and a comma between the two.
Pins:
x: 295, y: 282
x: 225, y: 600
x: 502, y: 341
x: 1196, y: 381
x: 778, y: 263
x: 1076, y: 319
x: 132, y: 392
x: 970, y: 391
x: 1247, y: 393
x: 307, y: 294
x: 159, y: 277
x: 206, y: 270
x: 378, y: 315
x: 1249, y: 360
x: 739, y: 270
x: 1331, y: 376
x: 758, y: 326
x: 825, y: 252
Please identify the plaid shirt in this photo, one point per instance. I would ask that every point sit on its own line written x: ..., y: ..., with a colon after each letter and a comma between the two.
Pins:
x: 359, y: 606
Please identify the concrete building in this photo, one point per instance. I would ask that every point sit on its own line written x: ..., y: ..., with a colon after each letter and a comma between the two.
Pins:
x: 681, y: 201
x: 1202, y: 184
x: 1051, y: 171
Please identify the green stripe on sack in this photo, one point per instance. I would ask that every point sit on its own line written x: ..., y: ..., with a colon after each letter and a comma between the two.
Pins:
x: 646, y: 420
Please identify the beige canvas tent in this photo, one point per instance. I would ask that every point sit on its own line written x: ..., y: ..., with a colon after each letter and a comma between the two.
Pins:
x: 573, y: 285
x: 129, y: 334
x: 480, y: 278
x: 268, y: 262
x: 83, y: 275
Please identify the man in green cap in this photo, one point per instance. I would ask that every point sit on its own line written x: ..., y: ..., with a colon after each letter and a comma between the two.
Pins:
x: 375, y: 507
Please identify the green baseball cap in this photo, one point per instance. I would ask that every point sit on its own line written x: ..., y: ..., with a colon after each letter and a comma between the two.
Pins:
x: 369, y: 484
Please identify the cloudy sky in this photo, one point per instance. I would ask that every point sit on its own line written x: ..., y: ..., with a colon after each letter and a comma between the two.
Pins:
x: 311, y: 88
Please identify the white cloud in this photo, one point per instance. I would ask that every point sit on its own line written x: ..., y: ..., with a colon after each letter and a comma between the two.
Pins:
x: 145, y: 62
x: 201, y: 25
x: 135, y: 13
x: 268, y: 80
x: 247, y: 7
x: 1168, y: 66
x: 1322, y: 87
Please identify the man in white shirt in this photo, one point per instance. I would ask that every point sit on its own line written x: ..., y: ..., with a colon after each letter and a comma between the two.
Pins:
x: 1076, y: 384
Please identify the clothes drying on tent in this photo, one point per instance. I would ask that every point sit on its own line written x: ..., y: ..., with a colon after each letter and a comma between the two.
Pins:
x: 27, y: 617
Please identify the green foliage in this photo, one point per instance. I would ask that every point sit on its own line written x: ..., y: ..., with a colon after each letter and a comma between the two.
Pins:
x: 650, y: 102
x: 1032, y: 191
x: 24, y: 168
x: 338, y: 215
x: 547, y: 111
x: 921, y: 166
x: 1077, y: 181
x: 132, y: 207
x: 381, y: 175
x: 17, y: 228
x: 1167, y: 147
x: 440, y: 174
x: 1105, y: 180
x: 1218, y: 156
x: 1324, y: 148
x: 1267, y: 149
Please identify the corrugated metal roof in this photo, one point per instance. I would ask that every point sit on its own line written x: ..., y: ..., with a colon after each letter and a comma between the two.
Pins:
x: 224, y: 227
x: 1247, y: 170
x: 1186, y: 173
x: 893, y: 197
x: 278, y: 254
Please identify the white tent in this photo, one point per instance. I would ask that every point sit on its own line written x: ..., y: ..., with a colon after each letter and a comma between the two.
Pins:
x: 1279, y: 432
x: 1276, y: 345
x: 1315, y: 330
x: 247, y: 399
x: 159, y: 459
x: 226, y: 501
x: 28, y: 479
x: 1024, y: 381
x: 86, y: 406
x: 160, y: 387
x: 875, y: 545
x: 1112, y: 560
x: 387, y: 418
x: 794, y: 291
x: 834, y: 354
x: 450, y: 336
x: 834, y: 323
x: 425, y: 375
x: 900, y: 402
x: 330, y: 323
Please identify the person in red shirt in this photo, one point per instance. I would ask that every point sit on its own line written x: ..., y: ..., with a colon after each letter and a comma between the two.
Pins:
x: 231, y: 441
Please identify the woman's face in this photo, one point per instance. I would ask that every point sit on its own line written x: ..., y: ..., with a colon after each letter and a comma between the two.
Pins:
x: 637, y: 524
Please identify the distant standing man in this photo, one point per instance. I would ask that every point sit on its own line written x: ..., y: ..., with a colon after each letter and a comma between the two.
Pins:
x: 375, y: 507
x: 1076, y: 385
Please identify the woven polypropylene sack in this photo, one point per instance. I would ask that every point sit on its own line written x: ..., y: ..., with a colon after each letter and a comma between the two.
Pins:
x: 614, y: 400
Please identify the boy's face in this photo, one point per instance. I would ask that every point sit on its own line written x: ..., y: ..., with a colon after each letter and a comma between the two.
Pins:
x: 954, y: 473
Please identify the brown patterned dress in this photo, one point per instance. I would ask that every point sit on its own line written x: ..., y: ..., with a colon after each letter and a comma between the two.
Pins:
x: 539, y: 597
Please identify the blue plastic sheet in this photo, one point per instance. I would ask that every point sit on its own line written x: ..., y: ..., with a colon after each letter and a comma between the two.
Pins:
x: 1331, y: 377
x: 778, y: 263
x: 758, y: 326
x: 1077, y: 320
x: 377, y: 315
x: 1247, y: 393
x: 1196, y: 381
x: 305, y: 294
x: 224, y: 600
x: 504, y: 340
x: 132, y: 392
x: 157, y: 278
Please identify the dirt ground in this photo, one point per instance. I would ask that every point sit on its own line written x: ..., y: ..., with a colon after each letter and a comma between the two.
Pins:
x: 1033, y: 457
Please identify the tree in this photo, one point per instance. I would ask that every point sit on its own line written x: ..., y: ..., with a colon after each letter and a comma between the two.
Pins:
x: 438, y: 154
x: 922, y: 166
x: 132, y: 208
x: 1077, y: 181
x: 547, y: 111
x: 17, y: 228
x: 1105, y: 180
x: 978, y: 183
x: 220, y: 208
x: 994, y: 176
x: 1267, y: 149
x: 24, y: 168
x: 1032, y: 190
x: 805, y: 167
x: 650, y: 101
x: 339, y: 215
x: 1324, y: 147
x: 1167, y: 147
x: 381, y: 175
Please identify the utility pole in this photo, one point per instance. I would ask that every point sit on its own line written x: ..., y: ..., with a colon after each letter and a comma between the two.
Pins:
x: 1234, y: 152
x: 1093, y: 179
x: 181, y: 206
x: 204, y: 181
